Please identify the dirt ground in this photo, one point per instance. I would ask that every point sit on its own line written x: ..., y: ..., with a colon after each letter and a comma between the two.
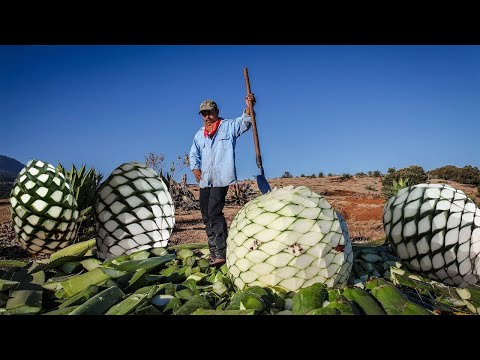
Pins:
x: 359, y: 200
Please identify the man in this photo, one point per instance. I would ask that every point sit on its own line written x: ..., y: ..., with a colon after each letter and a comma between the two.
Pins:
x: 212, y: 161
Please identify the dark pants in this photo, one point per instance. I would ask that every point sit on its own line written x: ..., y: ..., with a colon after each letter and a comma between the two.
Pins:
x: 212, y: 201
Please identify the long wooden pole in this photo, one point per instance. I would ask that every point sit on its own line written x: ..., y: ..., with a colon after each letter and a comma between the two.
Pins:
x: 254, y: 124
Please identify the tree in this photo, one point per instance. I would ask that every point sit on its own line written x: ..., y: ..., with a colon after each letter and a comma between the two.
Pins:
x: 181, y: 195
x: 155, y: 161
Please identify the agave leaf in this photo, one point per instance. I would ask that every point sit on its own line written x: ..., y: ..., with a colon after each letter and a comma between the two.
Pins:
x: 113, y: 273
x: 7, y: 284
x: 81, y: 171
x: 61, y: 311
x: 127, y: 305
x: 220, y: 289
x: 196, y: 302
x: 147, y: 309
x: 55, y: 283
x: 83, y: 281
x: 185, y: 294
x: 82, y: 215
x: 140, y: 255
x: 30, y: 298
x: 160, y: 251
x: 100, y: 303
x: 91, y: 263
x: 224, y: 312
x: 184, y: 254
x: 12, y: 263
x: 80, y: 298
x: 147, y: 264
x: 136, y: 276
x: 78, y: 249
x: 22, y: 310
x: 51, y: 264
x: 173, y: 305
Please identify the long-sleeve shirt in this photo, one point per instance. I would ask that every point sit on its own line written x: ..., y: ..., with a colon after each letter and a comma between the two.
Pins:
x: 215, y: 156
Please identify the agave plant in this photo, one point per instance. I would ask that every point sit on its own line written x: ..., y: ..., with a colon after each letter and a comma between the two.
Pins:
x: 240, y: 193
x: 133, y: 211
x: 435, y: 230
x: 44, y: 209
x: 84, y: 184
x: 290, y: 237
x: 391, y: 190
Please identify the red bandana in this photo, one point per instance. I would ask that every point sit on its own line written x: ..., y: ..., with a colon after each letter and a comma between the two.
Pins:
x: 214, y: 129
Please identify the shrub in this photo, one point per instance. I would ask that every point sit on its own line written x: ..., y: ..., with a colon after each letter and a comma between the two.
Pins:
x: 466, y: 175
x: 239, y: 194
x: 414, y: 173
x: 345, y: 176
x: 397, y: 179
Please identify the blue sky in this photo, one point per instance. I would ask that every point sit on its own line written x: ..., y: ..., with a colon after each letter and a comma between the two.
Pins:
x: 335, y: 108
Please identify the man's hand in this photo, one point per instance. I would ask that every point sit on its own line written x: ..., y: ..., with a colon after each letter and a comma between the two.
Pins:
x: 247, y: 100
x: 198, y: 174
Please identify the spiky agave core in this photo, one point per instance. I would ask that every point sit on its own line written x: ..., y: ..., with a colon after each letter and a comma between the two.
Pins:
x: 435, y: 230
x: 44, y: 209
x: 290, y: 237
x: 133, y: 211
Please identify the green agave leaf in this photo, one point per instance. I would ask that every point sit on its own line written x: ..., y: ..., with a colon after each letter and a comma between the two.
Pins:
x: 80, y: 282
x: 78, y: 249
x: 12, y: 263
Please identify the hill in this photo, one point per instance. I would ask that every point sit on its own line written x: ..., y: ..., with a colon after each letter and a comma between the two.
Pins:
x: 10, y: 165
x: 9, y: 169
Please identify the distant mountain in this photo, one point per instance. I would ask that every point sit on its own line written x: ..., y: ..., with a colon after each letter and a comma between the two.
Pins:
x: 8, y: 164
x: 9, y: 169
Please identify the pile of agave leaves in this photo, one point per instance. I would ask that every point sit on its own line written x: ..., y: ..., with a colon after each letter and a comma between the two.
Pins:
x: 179, y: 281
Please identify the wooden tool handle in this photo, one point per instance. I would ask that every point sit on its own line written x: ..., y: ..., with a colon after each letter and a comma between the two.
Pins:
x: 254, y: 124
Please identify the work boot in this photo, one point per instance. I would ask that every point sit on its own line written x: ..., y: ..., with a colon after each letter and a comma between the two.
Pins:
x: 212, y: 247
x: 211, y: 257
x: 217, y: 262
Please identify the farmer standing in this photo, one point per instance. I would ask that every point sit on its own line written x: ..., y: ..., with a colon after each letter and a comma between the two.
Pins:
x: 212, y: 161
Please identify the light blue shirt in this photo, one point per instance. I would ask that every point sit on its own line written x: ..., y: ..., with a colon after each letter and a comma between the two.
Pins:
x: 215, y: 156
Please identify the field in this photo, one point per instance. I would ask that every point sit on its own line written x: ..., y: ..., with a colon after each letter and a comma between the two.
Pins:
x: 359, y: 200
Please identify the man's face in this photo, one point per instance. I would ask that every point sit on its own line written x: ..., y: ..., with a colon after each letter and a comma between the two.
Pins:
x: 209, y: 116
